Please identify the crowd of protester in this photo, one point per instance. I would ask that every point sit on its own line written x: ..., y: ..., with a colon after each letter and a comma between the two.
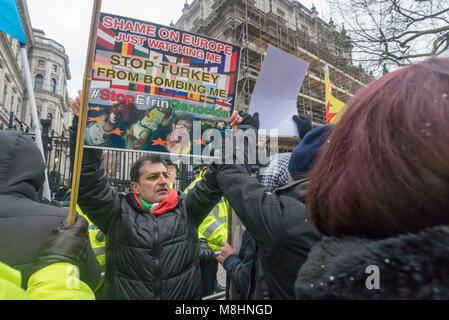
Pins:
x: 358, y: 210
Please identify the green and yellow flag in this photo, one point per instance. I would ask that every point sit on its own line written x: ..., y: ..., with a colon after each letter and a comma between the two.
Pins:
x: 334, y: 107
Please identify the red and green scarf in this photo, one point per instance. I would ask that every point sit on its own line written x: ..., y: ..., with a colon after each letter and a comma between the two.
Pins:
x: 170, y: 202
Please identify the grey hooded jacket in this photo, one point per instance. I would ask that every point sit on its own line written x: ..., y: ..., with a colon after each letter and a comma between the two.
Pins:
x: 25, y: 223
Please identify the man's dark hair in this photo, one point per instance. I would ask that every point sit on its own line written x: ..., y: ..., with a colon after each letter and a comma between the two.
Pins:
x: 151, y: 158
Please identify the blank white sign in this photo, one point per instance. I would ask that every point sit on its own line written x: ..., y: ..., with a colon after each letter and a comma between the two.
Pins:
x: 276, y: 91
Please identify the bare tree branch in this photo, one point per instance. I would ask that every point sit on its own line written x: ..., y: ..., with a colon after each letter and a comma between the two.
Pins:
x: 396, y: 32
x: 418, y: 34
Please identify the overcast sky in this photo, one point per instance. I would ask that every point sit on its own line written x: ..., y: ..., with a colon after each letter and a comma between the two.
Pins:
x: 68, y: 23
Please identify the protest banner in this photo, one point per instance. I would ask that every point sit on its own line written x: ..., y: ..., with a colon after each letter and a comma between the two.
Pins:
x: 151, y: 82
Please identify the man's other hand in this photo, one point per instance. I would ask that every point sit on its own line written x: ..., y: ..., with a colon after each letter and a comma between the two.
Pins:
x: 226, y: 250
x: 76, y: 104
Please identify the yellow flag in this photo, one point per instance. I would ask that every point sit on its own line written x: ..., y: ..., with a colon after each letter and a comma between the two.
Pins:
x: 334, y: 107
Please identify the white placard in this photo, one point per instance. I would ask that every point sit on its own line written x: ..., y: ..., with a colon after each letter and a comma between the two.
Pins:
x: 276, y: 91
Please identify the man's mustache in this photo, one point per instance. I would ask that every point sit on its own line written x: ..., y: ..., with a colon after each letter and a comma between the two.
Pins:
x: 161, y: 188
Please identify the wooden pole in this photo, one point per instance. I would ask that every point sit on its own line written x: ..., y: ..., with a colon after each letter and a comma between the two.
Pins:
x: 83, y: 110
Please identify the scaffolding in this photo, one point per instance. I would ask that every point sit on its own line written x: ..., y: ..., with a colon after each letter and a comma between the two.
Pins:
x: 253, y: 30
x: 244, y: 24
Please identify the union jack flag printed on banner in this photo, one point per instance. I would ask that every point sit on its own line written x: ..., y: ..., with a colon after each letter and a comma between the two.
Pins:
x: 224, y: 102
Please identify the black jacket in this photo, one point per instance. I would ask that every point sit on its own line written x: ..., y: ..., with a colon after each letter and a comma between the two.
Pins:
x: 240, y: 268
x: 277, y: 222
x: 25, y: 224
x: 147, y: 256
x: 244, y: 269
x: 410, y: 266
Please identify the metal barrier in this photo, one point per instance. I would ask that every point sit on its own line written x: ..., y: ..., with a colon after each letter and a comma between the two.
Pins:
x: 215, y: 296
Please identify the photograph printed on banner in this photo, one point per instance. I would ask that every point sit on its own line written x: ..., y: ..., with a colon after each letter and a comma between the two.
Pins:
x: 152, y: 83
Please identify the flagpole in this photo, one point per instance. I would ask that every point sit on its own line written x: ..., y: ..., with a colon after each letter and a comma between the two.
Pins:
x: 326, y: 69
x: 37, y: 131
x: 85, y: 92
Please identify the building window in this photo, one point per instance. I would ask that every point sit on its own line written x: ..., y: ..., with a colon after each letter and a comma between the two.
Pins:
x: 40, y: 64
x: 49, y: 116
x: 53, y: 85
x: 5, y: 93
x: 54, y: 68
x: 281, y: 14
x: 39, y: 82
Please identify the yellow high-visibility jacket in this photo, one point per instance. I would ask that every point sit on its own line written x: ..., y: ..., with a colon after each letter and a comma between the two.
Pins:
x: 97, y: 240
x: 57, y: 281
x: 214, y: 228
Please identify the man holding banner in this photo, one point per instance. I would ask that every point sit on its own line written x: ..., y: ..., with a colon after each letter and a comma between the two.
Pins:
x: 163, y: 79
x: 151, y: 233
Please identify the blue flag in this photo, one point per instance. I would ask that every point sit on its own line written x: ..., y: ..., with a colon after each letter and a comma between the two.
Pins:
x: 10, y: 21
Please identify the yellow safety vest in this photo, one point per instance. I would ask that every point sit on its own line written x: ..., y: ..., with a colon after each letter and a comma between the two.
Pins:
x: 53, y: 282
x: 214, y: 228
x: 96, y: 239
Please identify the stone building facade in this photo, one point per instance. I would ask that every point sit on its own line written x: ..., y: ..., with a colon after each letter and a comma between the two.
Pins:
x: 49, y: 66
x: 50, y: 71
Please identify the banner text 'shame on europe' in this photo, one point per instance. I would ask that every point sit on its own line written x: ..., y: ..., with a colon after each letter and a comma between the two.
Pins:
x: 149, y: 30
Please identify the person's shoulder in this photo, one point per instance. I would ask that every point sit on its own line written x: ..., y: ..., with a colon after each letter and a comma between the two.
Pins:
x: 289, y: 199
x: 36, y: 209
x: 29, y: 211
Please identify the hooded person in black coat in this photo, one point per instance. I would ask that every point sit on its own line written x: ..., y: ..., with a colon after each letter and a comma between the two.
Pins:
x: 25, y: 223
